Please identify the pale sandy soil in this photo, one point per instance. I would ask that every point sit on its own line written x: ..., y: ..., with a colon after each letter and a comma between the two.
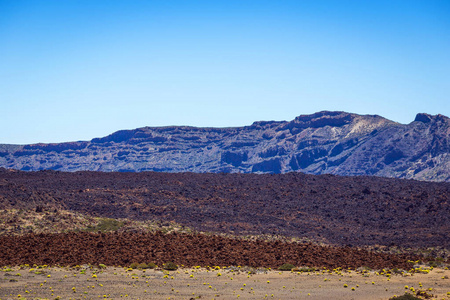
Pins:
x: 117, y: 283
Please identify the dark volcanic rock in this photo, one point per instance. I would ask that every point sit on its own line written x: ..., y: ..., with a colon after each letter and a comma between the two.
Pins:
x: 322, y: 143
x: 122, y: 249
x: 359, y: 210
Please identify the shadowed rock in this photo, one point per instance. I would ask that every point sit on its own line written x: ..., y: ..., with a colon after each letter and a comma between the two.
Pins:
x: 322, y: 143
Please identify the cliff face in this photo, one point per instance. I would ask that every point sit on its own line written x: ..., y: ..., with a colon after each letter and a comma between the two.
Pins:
x: 325, y: 142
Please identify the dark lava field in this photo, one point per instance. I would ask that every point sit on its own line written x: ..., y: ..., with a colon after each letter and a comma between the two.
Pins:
x: 343, y: 211
x: 184, y: 249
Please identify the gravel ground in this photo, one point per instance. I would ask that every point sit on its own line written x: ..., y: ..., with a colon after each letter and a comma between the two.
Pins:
x: 192, y: 283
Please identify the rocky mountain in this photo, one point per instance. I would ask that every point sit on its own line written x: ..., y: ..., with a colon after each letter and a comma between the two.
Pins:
x: 322, y: 143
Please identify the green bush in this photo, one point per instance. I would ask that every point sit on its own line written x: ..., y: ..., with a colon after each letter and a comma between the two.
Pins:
x: 304, y: 269
x: 151, y: 265
x: 147, y: 266
x: 142, y: 266
x: 406, y: 296
x: 170, y: 266
x: 134, y: 265
x: 286, y: 267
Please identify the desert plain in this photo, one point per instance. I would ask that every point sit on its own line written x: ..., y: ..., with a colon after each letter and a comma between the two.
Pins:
x: 235, y: 282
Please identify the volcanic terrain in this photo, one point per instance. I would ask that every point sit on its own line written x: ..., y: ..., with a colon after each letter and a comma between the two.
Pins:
x: 324, y: 225
x: 336, y: 210
x: 327, y: 142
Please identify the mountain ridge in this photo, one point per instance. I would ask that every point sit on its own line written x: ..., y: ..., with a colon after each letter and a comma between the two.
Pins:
x: 326, y: 142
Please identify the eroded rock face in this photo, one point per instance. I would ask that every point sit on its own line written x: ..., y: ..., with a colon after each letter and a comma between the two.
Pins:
x: 326, y: 142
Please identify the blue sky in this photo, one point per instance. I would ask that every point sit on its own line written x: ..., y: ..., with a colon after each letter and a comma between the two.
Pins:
x: 74, y: 70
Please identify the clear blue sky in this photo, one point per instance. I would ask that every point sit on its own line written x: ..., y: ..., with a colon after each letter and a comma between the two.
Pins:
x: 78, y: 69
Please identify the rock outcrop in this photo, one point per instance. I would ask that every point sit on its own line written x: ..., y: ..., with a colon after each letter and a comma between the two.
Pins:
x: 322, y: 143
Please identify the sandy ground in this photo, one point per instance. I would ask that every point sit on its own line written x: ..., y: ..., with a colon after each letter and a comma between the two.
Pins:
x: 192, y: 283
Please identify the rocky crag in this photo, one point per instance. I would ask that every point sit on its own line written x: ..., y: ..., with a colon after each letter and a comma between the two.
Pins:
x: 337, y: 143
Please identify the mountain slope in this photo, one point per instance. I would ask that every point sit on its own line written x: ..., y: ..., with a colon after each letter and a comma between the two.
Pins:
x: 358, y: 210
x: 326, y: 142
